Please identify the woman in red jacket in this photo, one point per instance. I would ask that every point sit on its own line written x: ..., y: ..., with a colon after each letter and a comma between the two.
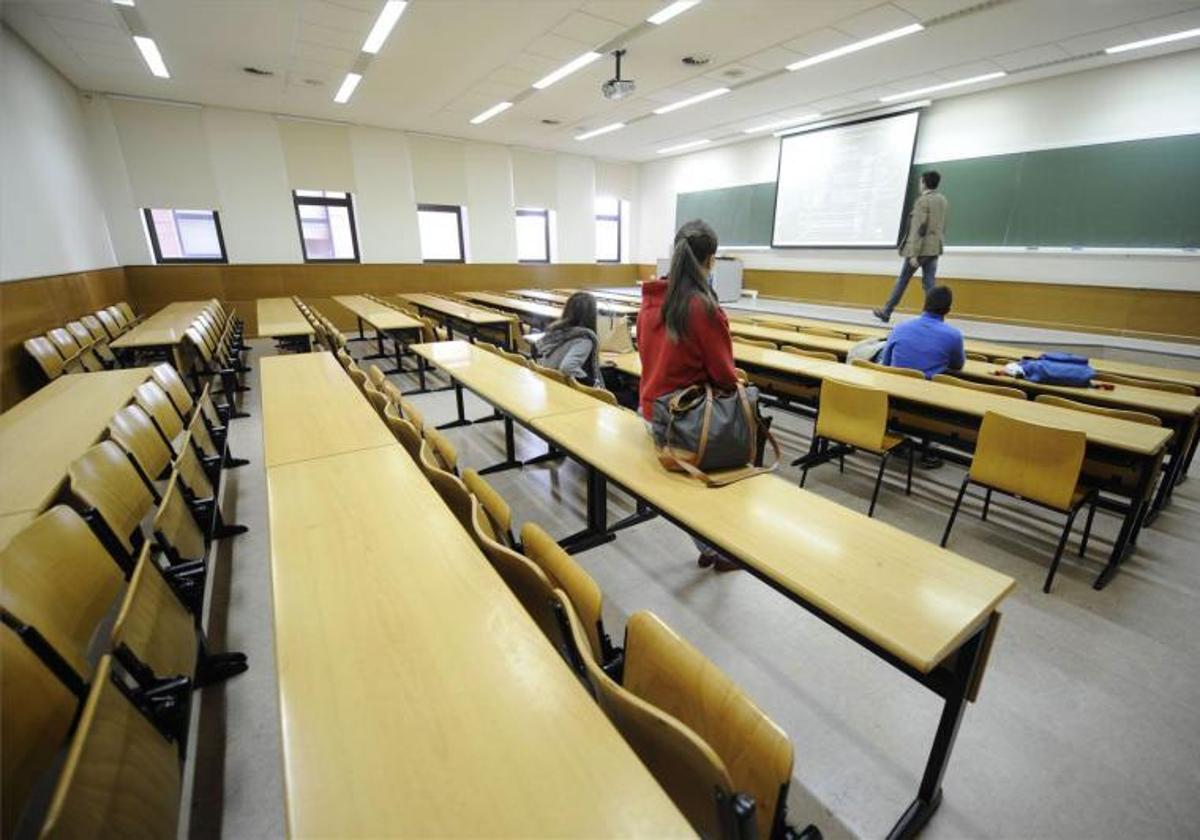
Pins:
x: 683, y: 336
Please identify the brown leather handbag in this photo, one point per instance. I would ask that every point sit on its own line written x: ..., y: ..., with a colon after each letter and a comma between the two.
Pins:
x: 699, y: 430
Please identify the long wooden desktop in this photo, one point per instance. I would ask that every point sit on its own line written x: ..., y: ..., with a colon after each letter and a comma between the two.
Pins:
x: 402, y: 329
x: 281, y: 318
x: 162, y: 332
x: 928, y: 612
x: 416, y: 695
x: 470, y: 321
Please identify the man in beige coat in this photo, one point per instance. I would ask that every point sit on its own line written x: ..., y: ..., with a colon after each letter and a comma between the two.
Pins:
x: 923, y: 242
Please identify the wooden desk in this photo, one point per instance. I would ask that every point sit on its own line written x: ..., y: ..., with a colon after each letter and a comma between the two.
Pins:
x: 471, y: 321
x: 41, y: 435
x: 926, y: 611
x: 281, y: 318
x: 162, y: 331
x: 809, y: 341
x: 417, y: 696
x: 542, y: 295
x: 537, y: 314
x: 400, y: 327
x: 312, y: 409
x: 855, y: 331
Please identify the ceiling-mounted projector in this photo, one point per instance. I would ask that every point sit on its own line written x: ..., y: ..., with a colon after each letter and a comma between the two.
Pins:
x: 616, y: 87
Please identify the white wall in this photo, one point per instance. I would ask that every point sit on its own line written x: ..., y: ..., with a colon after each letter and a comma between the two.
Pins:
x: 1151, y: 98
x: 51, y: 217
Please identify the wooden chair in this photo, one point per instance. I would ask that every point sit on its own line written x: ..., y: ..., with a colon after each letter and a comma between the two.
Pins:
x: 822, y: 331
x: 69, y: 348
x: 528, y: 583
x: 603, y: 394
x: 756, y: 342
x: 583, y: 592
x: 392, y: 392
x: 410, y: 413
x: 517, y: 358
x: 36, y: 713
x: 135, y: 432
x: 453, y: 492
x: 498, y: 512
x: 443, y: 450
x: 812, y: 354
x: 1038, y: 463
x: 154, y: 401
x: 99, y: 334
x: 998, y: 390
x: 376, y: 376
x: 550, y: 373
x: 488, y: 346
x: 116, y: 499
x: 110, y: 324
x: 856, y: 418
x: 122, y: 777
x: 86, y: 339
x: 58, y: 578
x: 358, y: 375
x: 1118, y: 413
x: 52, y: 364
x: 899, y: 371
x: 1171, y: 387
x: 345, y: 358
x: 405, y: 432
x: 175, y: 388
x: 127, y: 311
x: 977, y: 357
x: 375, y: 397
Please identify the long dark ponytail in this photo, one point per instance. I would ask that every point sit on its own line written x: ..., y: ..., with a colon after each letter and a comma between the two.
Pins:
x: 695, y: 242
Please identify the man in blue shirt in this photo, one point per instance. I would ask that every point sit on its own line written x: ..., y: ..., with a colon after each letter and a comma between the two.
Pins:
x: 927, y: 343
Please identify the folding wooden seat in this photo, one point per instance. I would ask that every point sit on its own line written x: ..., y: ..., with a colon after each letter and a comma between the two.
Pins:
x: 127, y: 311
x: 603, y: 394
x: 899, y: 371
x: 824, y: 355
x: 118, y: 316
x: 822, y: 331
x: 998, y: 390
x: 115, y: 499
x: 58, y: 579
x: 550, y: 373
x: 855, y: 418
x: 1171, y: 387
x: 86, y: 339
x: 410, y: 413
x: 36, y: 712
x: 49, y: 359
x: 1037, y: 463
x: 453, y: 492
x: 153, y: 400
x: 756, y: 342
x: 136, y: 433
x: 202, y: 492
x: 392, y: 392
x: 111, y: 325
x: 405, y: 432
x: 358, y: 375
x: 122, y: 778
x: 443, y: 450
x: 375, y: 397
x: 498, y: 512
x: 376, y: 376
x: 69, y: 349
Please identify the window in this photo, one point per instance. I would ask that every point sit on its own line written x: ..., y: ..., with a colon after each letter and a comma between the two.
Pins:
x: 533, y: 235
x: 441, y: 232
x: 608, y: 230
x: 180, y: 236
x: 326, y: 221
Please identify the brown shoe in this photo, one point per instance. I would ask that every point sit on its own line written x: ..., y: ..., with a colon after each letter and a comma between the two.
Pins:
x: 720, y: 564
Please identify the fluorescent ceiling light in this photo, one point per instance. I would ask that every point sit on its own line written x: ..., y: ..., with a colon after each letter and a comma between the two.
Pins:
x: 803, y: 118
x: 383, y: 25
x: 347, y: 89
x: 665, y: 14
x: 946, y: 86
x: 567, y: 69
x: 154, y: 59
x: 596, y: 132
x: 694, y: 144
x: 498, y: 108
x: 691, y: 100
x: 1154, y: 42
x: 122, y: 2
x: 856, y: 46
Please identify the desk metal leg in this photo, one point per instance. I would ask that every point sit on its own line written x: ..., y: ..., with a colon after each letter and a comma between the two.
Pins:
x: 597, y: 532
x: 360, y: 336
x: 958, y: 689
x: 462, y: 412
x: 380, y: 352
x: 1138, y: 505
x: 510, y: 450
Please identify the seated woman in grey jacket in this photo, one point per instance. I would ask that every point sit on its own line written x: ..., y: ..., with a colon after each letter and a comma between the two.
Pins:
x: 570, y: 344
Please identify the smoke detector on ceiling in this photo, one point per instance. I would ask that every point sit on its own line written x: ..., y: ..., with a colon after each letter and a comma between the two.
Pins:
x: 698, y: 60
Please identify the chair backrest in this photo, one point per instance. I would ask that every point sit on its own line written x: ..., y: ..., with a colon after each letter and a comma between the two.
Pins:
x: 1172, y: 387
x: 358, y: 375
x: 122, y: 777
x: 376, y: 375
x: 494, y: 507
x: 175, y: 528
x: 823, y: 331
x: 80, y: 333
x: 46, y: 355
x: 1118, y: 413
x: 664, y: 670
x: 687, y: 768
x: 110, y: 324
x: 375, y: 397
x: 812, y: 354
x: 999, y: 390
x: 105, y: 481
x: 191, y: 472
x: 200, y: 436
x: 515, y: 358
x: 852, y: 414
x: 56, y: 576
x: 977, y: 357
x: 154, y: 401
x: 405, y: 432
x: 118, y: 316
x: 36, y: 711
x: 756, y: 342
x: 127, y: 311
x: 392, y: 392
x: 550, y: 373
x: 443, y: 450
x: 1038, y: 462
x: 899, y: 371
x: 455, y: 494
x: 133, y: 429
x: 488, y: 346
x: 602, y: 394
x: 570, y: 577
x: 345, y: 358
x: 64, y: 342
x: 93, y: 325
x: 155, y: 625
x: 527, y: 582
x: 175, y: 388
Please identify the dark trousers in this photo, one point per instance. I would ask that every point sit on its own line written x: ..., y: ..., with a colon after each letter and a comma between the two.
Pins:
x: 928, y: 267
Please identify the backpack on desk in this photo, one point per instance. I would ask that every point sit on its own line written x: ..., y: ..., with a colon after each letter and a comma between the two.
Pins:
x: 1058, y: 369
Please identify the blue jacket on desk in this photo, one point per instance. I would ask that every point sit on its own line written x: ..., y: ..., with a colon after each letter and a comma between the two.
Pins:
x: 927, y: 343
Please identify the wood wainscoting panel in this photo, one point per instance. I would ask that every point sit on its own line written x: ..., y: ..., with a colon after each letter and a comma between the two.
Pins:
x: 33, y: 306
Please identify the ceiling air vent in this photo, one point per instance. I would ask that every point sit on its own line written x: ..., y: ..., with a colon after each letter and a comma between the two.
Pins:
x: 258, y: 71
x: 549, y: 121
x: 698, y: 60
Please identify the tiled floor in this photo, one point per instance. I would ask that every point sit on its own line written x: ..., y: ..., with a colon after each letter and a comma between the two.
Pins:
x: 1088, y: 723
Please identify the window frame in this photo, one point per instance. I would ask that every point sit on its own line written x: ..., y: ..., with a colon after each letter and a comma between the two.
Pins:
x: 325, y: 201
x: 462, y: 242
x: 156, y: 247
x: 607, y: 217
x: 545, y: 215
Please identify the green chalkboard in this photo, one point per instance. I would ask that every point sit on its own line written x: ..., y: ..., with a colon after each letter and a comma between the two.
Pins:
x: 740, y: 215
x: 1134, y: 194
